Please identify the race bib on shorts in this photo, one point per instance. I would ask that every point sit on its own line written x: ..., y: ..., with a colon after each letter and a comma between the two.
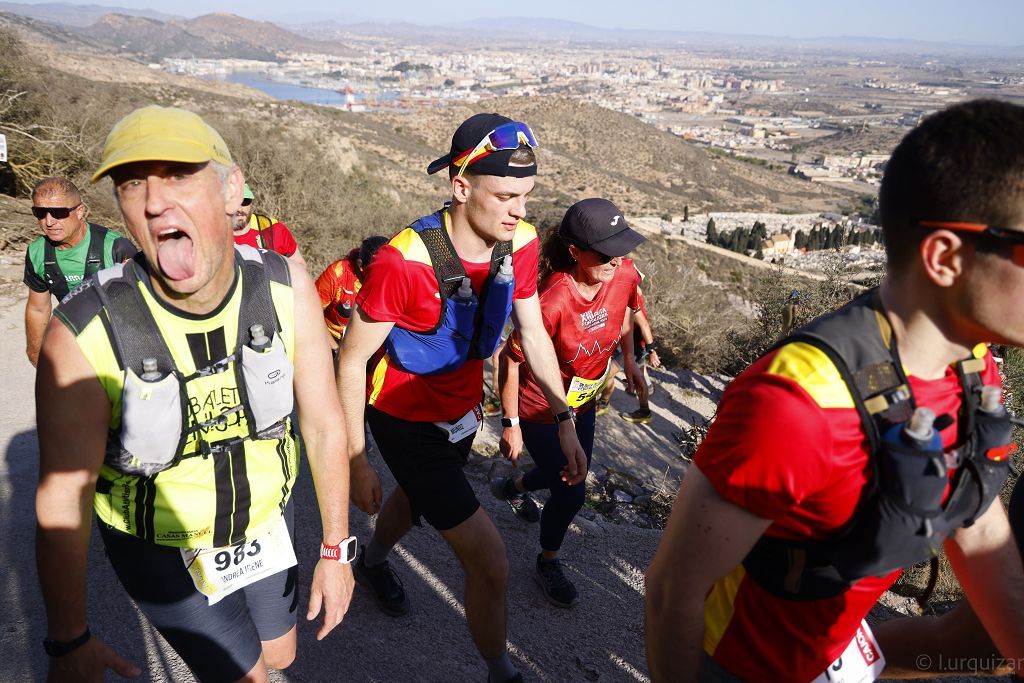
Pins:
x: 457, y: 430
x: 583, y: 390
x: 219, y: 572
x: 861, y: 661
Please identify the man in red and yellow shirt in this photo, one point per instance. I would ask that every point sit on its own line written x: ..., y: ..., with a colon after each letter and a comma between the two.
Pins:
x: 263, y: 232
x: 788, y: 458
x: 340, y: 282
x: 423, y: 423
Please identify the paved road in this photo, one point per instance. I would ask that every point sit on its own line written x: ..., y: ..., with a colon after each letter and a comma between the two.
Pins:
x: 600, y: 639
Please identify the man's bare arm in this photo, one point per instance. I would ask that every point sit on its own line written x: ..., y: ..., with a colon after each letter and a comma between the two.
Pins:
x: 363, y: 337
x: 72, y: 414
x: 705, y: 539
x: 323, y: 430
x: 37, y: 313
x: 988, y: 565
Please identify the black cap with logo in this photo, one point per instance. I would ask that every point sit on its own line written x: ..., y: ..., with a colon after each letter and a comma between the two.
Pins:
x: 599, y: 225
x: 468, y: 136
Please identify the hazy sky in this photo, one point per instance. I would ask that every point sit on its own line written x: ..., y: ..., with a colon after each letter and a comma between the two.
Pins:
x: 986, y: 22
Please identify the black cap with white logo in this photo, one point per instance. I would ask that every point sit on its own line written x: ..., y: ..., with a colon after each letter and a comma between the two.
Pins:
x: 599, y: 225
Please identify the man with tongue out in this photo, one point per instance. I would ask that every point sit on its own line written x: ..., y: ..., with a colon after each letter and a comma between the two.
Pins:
x: 202, y: 544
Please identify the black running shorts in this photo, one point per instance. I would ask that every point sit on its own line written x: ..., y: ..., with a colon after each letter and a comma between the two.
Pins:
x: 428, y: 467
x: 218, y: 642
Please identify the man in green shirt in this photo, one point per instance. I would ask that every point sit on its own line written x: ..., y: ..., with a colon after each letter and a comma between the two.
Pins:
x: 70, y: 249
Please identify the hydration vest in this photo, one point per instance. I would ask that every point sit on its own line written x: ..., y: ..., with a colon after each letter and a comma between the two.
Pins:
x: 466, y: 328
x: 900, y: 519
x: 52, y: 274
x: 156, y: 416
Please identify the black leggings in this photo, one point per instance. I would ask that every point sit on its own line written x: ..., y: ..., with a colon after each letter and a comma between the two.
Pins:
x: 541, y: 440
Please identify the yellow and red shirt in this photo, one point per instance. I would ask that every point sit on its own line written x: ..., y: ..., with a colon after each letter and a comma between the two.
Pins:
x: 787, y: 445
x: 337, y: 287
x: 400, y: 287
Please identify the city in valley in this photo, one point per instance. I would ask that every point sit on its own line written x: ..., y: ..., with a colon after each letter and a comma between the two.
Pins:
x: 824, y: 112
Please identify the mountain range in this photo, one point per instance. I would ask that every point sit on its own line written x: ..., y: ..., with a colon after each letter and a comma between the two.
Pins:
x: 328, y: 31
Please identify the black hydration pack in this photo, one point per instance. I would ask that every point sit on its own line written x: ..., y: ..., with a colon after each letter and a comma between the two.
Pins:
x: 900, y: 519
x: 156, y: 415
x: 52, y: 273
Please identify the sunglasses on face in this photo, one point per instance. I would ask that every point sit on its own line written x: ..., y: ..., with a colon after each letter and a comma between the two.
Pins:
x: 1014, y: 237
x: 247, y: 201
x: 506, y: 136
x: 58, y: 212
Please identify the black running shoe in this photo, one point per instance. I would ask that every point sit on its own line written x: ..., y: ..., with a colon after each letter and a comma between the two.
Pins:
x: 383, y: 583
x: 638, y: 416
x: 558, y: 589
x: 522, y: 504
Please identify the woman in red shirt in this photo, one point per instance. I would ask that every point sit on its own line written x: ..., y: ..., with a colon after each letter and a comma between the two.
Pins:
x: 588, y: 292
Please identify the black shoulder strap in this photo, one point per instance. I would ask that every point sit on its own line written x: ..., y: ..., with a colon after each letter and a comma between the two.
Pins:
x: 55, y: 279
x: 264, y: 232
x: 132, y: 327
x: 257, y: 303
x: 859, y: 341
x: 94, y: 258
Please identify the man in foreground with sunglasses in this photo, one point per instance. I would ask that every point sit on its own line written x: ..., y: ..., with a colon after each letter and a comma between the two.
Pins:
x: 871, y: 440
x: 70, y: 249
x: 435, y: 300
x: 263, y: 232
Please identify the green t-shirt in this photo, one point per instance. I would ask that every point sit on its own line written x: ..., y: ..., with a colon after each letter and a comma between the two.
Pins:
x: 71, y: 262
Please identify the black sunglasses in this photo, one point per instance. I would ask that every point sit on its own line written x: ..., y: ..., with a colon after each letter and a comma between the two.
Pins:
x: 58, y: 212
x: 603, y: 258
x: 247, y: 201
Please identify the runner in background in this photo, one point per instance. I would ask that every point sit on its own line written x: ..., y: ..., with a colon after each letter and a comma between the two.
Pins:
x: 645, y: 354
x: 263, y: 232
x: 588, y: 292
x: 70, y: 249
x: 340, y: 282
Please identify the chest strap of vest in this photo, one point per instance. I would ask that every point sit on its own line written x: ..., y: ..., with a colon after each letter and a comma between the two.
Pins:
x: 52, y: 273
x: 448, y: 268
x: 136, y: 335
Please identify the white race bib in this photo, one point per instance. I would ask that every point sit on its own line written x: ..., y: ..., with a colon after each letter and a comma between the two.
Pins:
x: 457, y: 430
x: 583, y: 390
x: 218, y: 572
x: 861, y: 662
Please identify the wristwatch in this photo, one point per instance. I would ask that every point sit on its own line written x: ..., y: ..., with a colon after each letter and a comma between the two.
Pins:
x: 344, y: 552
x: 507, y: 422
x: 57, y: 648
x: 566, y: 415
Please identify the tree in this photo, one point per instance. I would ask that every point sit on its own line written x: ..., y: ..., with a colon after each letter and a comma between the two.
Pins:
x: 759, y: 254
x: 686, y: 213
x: 712, y: 233
x: 800, y: 240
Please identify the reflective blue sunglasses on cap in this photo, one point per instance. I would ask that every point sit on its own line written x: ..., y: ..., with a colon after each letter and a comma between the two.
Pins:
x: 506, y: 136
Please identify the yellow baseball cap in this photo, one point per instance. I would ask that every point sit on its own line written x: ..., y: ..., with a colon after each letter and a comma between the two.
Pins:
x: 156, y: 133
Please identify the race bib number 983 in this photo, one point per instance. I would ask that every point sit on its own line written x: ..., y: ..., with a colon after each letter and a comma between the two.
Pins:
x: 219, y: 572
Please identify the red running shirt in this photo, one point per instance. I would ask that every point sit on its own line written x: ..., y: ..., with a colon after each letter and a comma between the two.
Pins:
x: 400, y: 287
x: 787, y: 445
x: 284, y: 243
x: 584, y: 333
x: 337, y: 287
